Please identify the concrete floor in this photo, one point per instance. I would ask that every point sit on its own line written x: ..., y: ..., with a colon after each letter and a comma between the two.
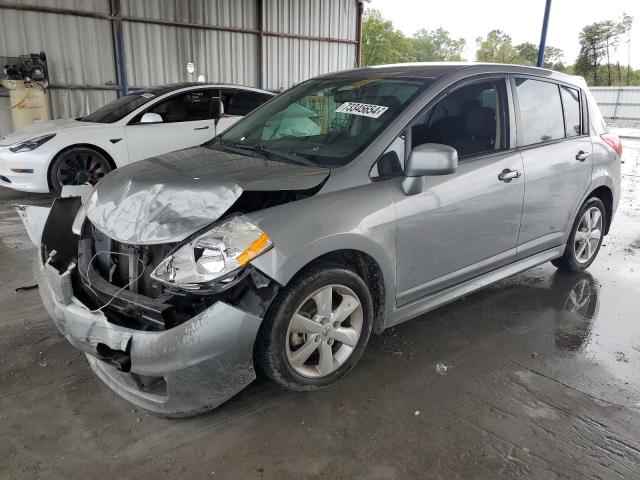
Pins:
x: 538, y: 379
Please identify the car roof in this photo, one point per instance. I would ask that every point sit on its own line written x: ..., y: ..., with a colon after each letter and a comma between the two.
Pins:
x: 434, y: 70
x: 159, y: 90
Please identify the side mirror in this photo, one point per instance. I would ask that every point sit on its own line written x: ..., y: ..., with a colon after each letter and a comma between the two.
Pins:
x: 428, y: 159
x: 431, y: 159
x: 151, y: 118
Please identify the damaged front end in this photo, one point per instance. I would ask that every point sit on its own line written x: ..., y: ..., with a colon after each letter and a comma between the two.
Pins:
x: 152, y: 278
x: 160, y: 343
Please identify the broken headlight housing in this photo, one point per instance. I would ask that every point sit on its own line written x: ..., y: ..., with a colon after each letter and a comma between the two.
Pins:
x: 214, y: 256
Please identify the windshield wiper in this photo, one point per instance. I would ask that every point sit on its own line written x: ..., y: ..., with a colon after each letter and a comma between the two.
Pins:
x: 269, y: 154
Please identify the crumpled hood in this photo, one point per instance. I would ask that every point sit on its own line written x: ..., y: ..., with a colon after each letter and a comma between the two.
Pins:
x: 167, y: 198
x: 44, y: 128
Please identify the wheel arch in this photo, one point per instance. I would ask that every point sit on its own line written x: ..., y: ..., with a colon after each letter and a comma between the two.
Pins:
x: 102, y: 151
x: 369, y: 270
x: 604, y: 193
x: 363, y: 264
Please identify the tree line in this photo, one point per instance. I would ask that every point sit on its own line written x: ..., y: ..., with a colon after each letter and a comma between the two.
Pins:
x: 382, y: 43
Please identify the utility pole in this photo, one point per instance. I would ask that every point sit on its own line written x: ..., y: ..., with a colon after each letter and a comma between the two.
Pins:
x: 543, y: 35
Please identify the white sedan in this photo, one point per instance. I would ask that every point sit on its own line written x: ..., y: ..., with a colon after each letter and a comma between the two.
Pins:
x: 44, y: 157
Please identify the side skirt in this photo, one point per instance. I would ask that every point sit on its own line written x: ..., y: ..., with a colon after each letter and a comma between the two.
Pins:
x: 451, y: 294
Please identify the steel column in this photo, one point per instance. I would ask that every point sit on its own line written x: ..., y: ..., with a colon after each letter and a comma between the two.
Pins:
x: 260, y: 21
x: 121, y: 59
x: 543, y: 35
x: 359, y: 13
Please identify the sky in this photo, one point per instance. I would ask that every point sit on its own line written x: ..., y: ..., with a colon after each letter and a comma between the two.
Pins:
x: 521, y: 19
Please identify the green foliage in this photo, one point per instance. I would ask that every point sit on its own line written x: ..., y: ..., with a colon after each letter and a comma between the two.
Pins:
x: 497, y: 47
x: 383, y: 44
x: 436, y: 45
x: 597, y: 41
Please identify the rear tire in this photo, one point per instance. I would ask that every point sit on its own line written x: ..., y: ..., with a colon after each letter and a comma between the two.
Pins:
x: 304, y: 345
x: 77, y: 166
x: 587, y: 233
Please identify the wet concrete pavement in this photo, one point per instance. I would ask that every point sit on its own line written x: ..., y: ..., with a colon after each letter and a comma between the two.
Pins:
x: 538, y: 378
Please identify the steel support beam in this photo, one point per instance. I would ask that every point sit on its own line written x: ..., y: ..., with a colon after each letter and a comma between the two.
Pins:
x: 121, y: 58
x: 543, y: 35
x: 260, y: 22
x: 359, y: 14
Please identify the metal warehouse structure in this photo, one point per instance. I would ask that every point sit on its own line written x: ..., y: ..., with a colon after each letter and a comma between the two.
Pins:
x: 618, y: 102
x: 97, y: 49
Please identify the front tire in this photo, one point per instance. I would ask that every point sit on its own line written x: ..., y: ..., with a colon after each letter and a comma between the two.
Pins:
x: 317, y: 328
x: 77, y: 166
x: 587, y: 233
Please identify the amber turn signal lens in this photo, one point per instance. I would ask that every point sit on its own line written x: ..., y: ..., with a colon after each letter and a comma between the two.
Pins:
x: 255, y: 249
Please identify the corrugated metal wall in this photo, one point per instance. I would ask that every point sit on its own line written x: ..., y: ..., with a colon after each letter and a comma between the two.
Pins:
x: 158, y: 54
x: 618, y: 102
x: 81, y: 51
x: 290, y: 61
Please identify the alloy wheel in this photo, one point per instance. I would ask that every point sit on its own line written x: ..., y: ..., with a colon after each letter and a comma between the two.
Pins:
x: 81, y: 168
x: 324, y: 331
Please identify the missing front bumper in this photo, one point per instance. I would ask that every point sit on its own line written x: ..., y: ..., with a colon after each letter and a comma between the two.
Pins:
x: 198, y: 364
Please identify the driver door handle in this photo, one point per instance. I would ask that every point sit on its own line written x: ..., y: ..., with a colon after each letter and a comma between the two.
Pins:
x: 581, y: 156
x: 202, y: 128
x: 507, y: 175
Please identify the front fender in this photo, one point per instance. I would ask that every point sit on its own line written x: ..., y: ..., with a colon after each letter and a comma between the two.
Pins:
x: 361, y: 218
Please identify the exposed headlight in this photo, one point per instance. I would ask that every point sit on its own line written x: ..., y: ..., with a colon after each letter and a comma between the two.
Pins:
x: 31, y: 144
x: 215, y: 255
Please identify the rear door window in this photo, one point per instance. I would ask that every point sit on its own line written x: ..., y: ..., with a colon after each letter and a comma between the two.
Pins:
x: 189, y: 106
x: 541, y: 118
x: 571, y: 106
x: 239, y: 102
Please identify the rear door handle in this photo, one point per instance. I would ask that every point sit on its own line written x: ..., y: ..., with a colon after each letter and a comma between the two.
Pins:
x: 581, y: 156
x: 202, y: 128
x: 507, y: 175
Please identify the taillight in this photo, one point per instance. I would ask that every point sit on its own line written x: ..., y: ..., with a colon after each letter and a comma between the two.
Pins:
x: 613, y: 141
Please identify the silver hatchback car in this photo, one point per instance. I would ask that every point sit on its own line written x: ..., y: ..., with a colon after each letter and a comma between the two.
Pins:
x: 348, y: 204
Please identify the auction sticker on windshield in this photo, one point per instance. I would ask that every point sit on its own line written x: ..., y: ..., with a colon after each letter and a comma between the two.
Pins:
x: 364, y: 109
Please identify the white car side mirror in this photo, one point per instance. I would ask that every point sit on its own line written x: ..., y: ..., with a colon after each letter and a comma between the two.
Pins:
x: 151, y: 118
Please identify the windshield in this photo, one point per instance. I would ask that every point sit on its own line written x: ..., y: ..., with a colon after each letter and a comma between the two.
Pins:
x: 324, y: 122
x: 114, y: 111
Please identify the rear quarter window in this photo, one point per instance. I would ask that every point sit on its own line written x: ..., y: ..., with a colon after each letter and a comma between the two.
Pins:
x: 541, y: 118
x: 571, y: 106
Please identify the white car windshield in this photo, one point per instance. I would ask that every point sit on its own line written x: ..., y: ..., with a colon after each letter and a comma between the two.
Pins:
x: 324, y: 122
x: 114, y: 111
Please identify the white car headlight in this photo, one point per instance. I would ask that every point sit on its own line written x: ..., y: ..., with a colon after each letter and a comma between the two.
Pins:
x: 31, y: 144
x: 215, y: 255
